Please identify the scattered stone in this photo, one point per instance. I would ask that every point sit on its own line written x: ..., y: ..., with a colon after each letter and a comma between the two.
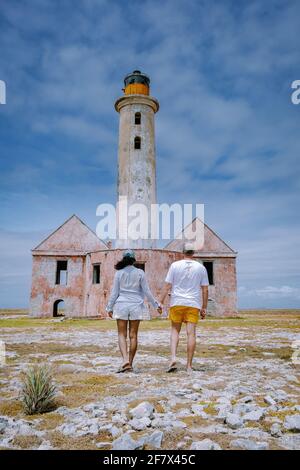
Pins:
x: 252, y: 433
x: 68, y: 368
x: 3, y: 424
x: 280, y: 395
x: 144, y: 409
x: 182, y: 393
x: 198, y: 410
x: 233, y: 421
x: 180, y: 445
x: 290, y: 441
x: 255, y: 415
x: 140, y: 424
x: 224, y: 410
x: 247, y: 444
x: 232, y: 351
x: 292, y: 423
x: 192, y: 396
x: 197, y: 386
x: 183, y: 413
x: 45, y: 445
x: 115, y: 432
x: 269, y: 400
x: 119, y: 419
x: 102, y: 445
x: 125, y: 442
x: 246, y: 399
x: 206, y: 444
x: 154, y: 439
x: 275, y: 430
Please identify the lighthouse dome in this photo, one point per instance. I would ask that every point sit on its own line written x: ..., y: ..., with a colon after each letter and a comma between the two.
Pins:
x: 136, y: 83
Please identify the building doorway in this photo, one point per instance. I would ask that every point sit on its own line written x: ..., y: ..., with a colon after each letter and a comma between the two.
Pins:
x: 59, y: 308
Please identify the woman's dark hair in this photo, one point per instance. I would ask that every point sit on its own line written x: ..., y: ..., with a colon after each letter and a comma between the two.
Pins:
x: 124, y: 262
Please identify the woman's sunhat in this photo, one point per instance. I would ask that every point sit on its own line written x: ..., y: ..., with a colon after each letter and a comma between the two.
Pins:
x: 129, y: 254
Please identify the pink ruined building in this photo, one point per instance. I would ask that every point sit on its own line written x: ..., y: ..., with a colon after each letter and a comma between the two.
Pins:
x: 73, y: 267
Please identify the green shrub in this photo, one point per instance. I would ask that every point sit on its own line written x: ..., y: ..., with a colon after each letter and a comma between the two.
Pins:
x: 38, y: 390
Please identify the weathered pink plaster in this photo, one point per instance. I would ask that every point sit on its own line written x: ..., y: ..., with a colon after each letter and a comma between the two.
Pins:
x: 77, y: 244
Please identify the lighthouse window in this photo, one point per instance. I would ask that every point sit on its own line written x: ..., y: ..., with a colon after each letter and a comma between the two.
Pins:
x: 137, y: 143
x: 137, y: 118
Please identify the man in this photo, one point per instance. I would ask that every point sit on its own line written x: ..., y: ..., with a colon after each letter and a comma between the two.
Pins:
x: 185, y: 279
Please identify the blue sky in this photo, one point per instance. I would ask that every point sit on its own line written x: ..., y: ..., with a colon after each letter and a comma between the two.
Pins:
x: 227, y: 133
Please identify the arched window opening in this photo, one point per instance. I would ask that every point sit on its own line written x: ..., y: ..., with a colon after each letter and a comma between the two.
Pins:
x: 137, y: 119
x: 137, y: 143
x: 59, y: 308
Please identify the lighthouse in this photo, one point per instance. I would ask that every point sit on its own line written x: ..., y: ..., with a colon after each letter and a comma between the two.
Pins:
x: 75, y: 266
x: 136, y: 161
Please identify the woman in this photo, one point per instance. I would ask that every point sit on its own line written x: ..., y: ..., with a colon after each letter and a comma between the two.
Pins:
x: 126, y: 305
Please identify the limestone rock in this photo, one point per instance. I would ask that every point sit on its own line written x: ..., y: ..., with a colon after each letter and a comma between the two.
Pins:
x: 154, y: 439
x: 45, y: 445
x: 233, y: 421
x: 269, y: 400
x: 292, y: 423
x: 206, y: 444
x: 144, y: 409
x: 125, y: 442
x: 254, y: 415
x: 140, y: 424
x: 275, y: 430
x: 247, y: 444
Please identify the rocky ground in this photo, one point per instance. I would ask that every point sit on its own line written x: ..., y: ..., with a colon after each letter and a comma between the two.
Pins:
x: 244, y: 393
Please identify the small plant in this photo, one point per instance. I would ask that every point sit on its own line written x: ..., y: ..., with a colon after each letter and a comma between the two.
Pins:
x: 38, y: 390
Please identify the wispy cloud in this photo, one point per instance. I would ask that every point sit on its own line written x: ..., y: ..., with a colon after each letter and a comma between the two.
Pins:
x: 226, y: 130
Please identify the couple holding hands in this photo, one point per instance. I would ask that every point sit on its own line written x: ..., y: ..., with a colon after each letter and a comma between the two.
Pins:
x: 186, y: 280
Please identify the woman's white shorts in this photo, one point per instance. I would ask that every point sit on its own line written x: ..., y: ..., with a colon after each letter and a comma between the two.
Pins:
x: 126, y: 311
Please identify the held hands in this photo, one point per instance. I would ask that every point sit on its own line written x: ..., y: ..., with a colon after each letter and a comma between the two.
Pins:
x: 159, y: 309
x: 110, y: 314
x: 203, y: 313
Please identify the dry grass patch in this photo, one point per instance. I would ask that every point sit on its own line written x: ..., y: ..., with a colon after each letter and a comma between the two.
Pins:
x: 62, y: 442
x: 49, y: 421
x: 210, y: 409
x: 85, y: 388
x: 194, y: 420
x: 281, y: 414
x: 27, y: 442
x: 11, y: 408
x: 24, y: 349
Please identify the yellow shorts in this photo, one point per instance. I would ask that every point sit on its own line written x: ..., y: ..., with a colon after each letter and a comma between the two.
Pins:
x: 179, y: 314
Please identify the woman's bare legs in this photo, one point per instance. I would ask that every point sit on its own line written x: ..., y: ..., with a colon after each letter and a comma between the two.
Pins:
x: 133, y: 337
x: 122, y: 338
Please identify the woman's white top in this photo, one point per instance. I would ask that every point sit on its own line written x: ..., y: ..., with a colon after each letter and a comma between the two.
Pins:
x: 131, y: 287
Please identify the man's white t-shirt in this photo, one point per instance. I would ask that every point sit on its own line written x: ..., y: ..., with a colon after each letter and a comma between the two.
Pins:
x: 186, y: 277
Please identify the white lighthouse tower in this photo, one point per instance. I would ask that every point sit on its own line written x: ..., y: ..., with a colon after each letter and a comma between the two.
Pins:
x: 136, y: 162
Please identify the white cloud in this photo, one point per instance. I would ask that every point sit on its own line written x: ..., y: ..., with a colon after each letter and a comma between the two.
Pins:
x: 272, y: 292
